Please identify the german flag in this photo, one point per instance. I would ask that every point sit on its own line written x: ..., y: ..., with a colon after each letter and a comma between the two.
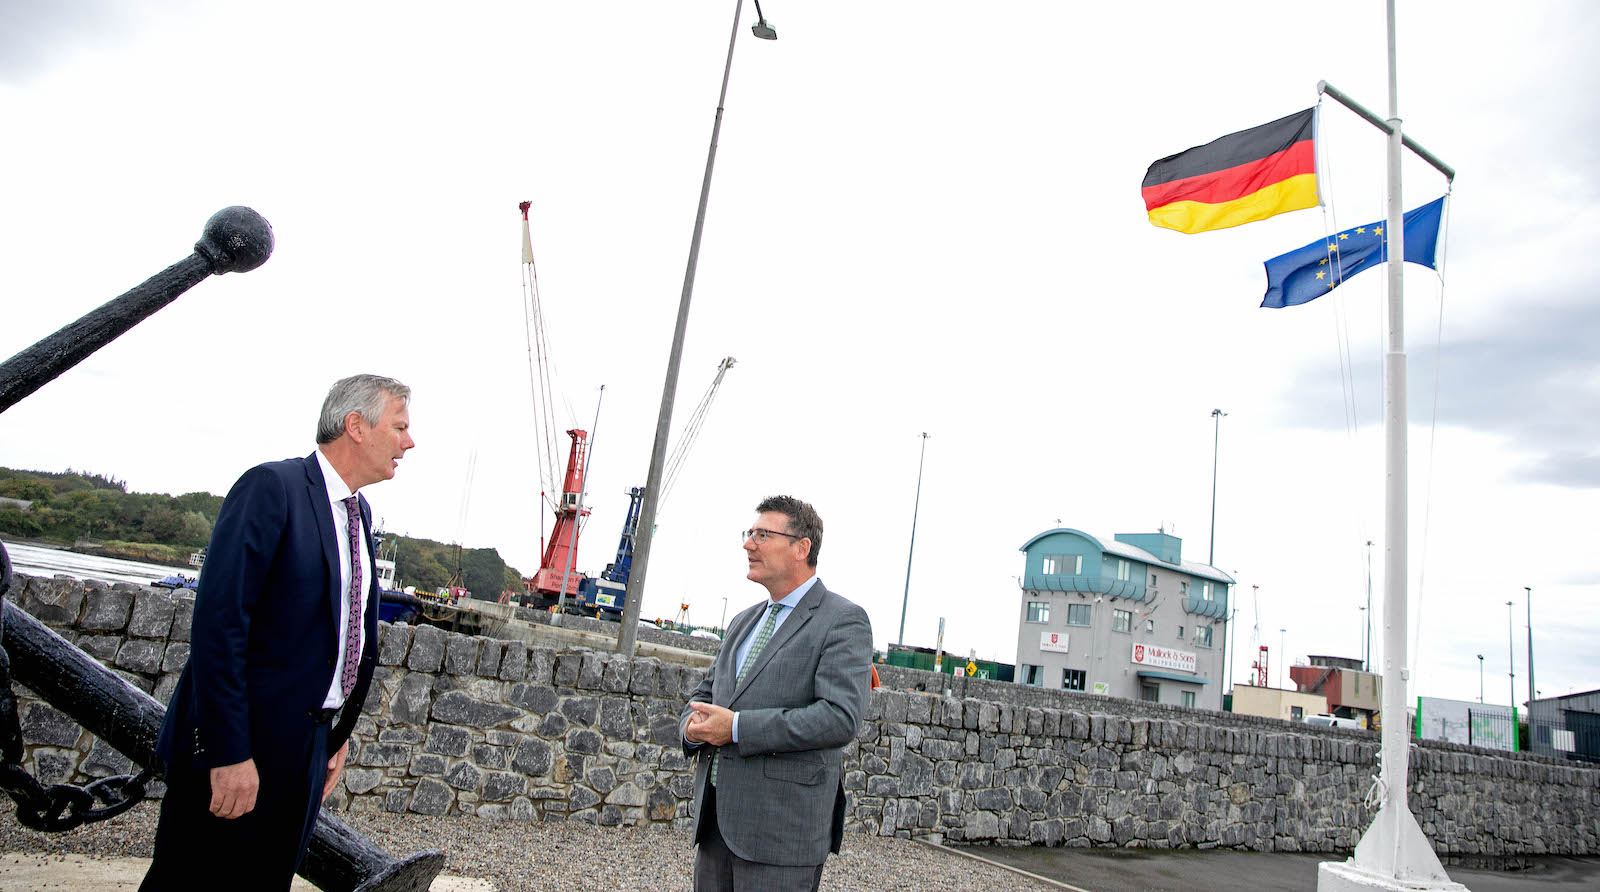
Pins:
x: 1239, y: 178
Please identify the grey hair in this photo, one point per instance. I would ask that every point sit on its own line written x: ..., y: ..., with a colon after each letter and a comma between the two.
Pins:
x: 804, y: 521
x: 365, y: 394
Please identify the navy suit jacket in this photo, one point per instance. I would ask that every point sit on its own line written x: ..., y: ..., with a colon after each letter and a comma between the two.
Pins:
x: 264, y: 644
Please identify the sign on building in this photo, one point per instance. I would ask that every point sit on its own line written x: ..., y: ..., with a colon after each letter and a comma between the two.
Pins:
x: 1466, y: 721
x: 1054, y: 642
x: 1164, y: 657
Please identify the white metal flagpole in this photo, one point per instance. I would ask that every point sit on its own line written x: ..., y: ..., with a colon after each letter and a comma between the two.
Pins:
x: 1393, y: 854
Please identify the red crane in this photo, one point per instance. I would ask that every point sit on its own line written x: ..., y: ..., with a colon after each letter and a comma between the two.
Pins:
x: 562, y: 546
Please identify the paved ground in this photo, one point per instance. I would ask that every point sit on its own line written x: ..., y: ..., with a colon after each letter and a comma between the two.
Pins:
x: 1151, y: 870
x: 80, y: 873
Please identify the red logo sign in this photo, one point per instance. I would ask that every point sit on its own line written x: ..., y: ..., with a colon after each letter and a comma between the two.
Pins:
x: 1138, y: 653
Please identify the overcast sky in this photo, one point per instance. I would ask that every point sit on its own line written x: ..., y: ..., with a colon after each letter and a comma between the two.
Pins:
x: 923, y: 218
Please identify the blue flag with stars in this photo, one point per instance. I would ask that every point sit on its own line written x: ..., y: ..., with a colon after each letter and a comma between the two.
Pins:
x: 1307, y: 273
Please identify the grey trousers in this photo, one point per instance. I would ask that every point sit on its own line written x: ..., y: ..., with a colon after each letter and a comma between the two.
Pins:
x: 716, y: 869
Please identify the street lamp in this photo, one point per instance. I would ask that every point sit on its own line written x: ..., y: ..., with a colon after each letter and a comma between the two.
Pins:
x: 1283, y: 657
x: 1511, y: 656
x: 669, y: 388
x: 1480, y: 679
x: 915, y: 506
x: 725, y: 615
x: 1531, y: 691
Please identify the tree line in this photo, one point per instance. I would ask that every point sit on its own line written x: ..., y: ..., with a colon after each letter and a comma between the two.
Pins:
x: 69, y: 507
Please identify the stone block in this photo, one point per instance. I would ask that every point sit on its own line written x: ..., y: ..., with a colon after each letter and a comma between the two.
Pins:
x: 533, y: 758
x: 413, y: 700
x: 447, y: 740
x: 646, y: 672
x: 44, y: 725
x: 102, y: 647
x: 461, y: 654
x: 541, y: 665
x: 500, y: 786
x: 566, y: 671
x: 401, y: 734
x: 514, y: 662
x: 552, y: 726
x: 105, y: 761
x: 582, y: 740
x: 55, y: 602
x: 486, y: 756
x: 489, y: 652
x: 138, y: 655
x: 153, y: 609
x: 615, y: 674
x: 457, y: 708
x: 581, y: 710
x: 175, y: 657
x: 535, y: 698
x: 182, y: 617
x: 616, y: 718
x: 107, y: 609
x: 427, y: 649
x: 361, y: 780
x: 393, y: 642
x: 463, y: 776
x: 428, y: 764
x: 431, y: 797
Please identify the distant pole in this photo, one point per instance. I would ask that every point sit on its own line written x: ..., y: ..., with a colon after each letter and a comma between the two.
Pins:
x: 1283, y: 657
x: 1480, y: 679
x: 1227, y: 651
x: 724, y: 614
x: 1216, y: 439
x: 915, y: 507
x: 1366, y: 654
x: 1531, y: 691
x: 1511, y: 653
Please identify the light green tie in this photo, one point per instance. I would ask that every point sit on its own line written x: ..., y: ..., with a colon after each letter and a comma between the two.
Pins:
x: 750, y: 660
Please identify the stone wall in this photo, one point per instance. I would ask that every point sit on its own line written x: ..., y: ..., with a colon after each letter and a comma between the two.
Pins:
x: 501, y: 729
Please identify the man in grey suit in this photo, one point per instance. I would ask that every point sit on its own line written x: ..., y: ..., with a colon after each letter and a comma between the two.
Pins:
x: 769, y: 723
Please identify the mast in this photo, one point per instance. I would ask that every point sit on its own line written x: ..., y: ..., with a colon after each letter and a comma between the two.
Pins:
x: 1393, y: 853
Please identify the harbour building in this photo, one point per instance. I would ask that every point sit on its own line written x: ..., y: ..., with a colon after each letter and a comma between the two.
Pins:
x: 1124, y: 617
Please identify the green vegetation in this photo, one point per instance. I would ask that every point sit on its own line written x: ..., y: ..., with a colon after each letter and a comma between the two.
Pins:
x: 97, y: 514
x: 431, y: 565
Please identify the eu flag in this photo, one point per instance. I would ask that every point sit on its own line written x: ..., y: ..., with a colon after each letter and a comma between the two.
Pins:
x: 1308, y: 273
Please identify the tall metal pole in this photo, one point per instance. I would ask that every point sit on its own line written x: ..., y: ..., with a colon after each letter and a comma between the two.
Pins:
x: 1216, y: 438
x: 1366, y: 656
x: 1480, y: 679
x: 1531, y: 692
x: 577, y: 519
x: 906, y: 599
x: 669, y: 388
x: 1283, y: 657
x: 1511, y: 650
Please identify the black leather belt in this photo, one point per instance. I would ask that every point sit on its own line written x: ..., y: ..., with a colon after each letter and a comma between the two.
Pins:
x: 322, y: 716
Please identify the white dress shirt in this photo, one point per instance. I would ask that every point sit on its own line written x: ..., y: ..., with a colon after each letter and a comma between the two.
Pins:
x: 337, y: 493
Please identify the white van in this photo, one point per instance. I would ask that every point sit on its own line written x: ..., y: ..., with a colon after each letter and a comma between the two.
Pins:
x: 1333, y: 721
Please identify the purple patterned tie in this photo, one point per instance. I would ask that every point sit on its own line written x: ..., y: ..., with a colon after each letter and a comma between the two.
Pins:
x: 352, y: 627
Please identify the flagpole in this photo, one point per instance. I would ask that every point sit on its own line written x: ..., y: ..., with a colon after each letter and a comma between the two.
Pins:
x: 1393, y: 853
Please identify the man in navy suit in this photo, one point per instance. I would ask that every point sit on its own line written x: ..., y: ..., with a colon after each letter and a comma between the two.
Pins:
x: 281, y: 654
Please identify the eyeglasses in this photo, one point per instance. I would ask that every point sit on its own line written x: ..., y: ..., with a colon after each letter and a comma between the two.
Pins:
x: 761, y: 536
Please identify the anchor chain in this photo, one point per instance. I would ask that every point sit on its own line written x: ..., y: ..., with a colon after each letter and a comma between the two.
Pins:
x: 57, y: 807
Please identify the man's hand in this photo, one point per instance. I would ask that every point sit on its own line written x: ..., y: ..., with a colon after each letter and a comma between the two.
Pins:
x: 710, y: 724
x: 233, y: 789
x: 335, y: 768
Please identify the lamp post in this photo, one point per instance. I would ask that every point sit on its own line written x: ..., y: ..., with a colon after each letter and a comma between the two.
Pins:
x: 1511, y: 655
x: 1480, y: 679
x: 669, y: 388
x: 724, y: 614
x: 1216, y: 438
x: 1531, y: 691
x: 915, y: 506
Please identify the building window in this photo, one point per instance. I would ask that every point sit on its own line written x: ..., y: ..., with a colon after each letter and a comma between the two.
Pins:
x: 1121, y: 620
x: 1073, y: 679
x: 1149, y: 625
x: 1152, y: 580
x: 1296, y: 713
x: 1033, y: 675
x: 1078, y: 614
x: 1180, y: 633
x: 1205, y: 592
x: 1150, y: 693
x: 1183, y: 588
x: 1122, y: 570
x: 1062, y: 564
x: 1038, y: 611
x: 1204, y: 637
x: 1188, y: 699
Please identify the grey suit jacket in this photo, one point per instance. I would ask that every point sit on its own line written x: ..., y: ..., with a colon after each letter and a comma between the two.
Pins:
x: 780, y: 791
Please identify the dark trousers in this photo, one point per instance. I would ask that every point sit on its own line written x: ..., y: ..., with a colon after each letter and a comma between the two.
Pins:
x: 259, y: 850
x: 716, y: 869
